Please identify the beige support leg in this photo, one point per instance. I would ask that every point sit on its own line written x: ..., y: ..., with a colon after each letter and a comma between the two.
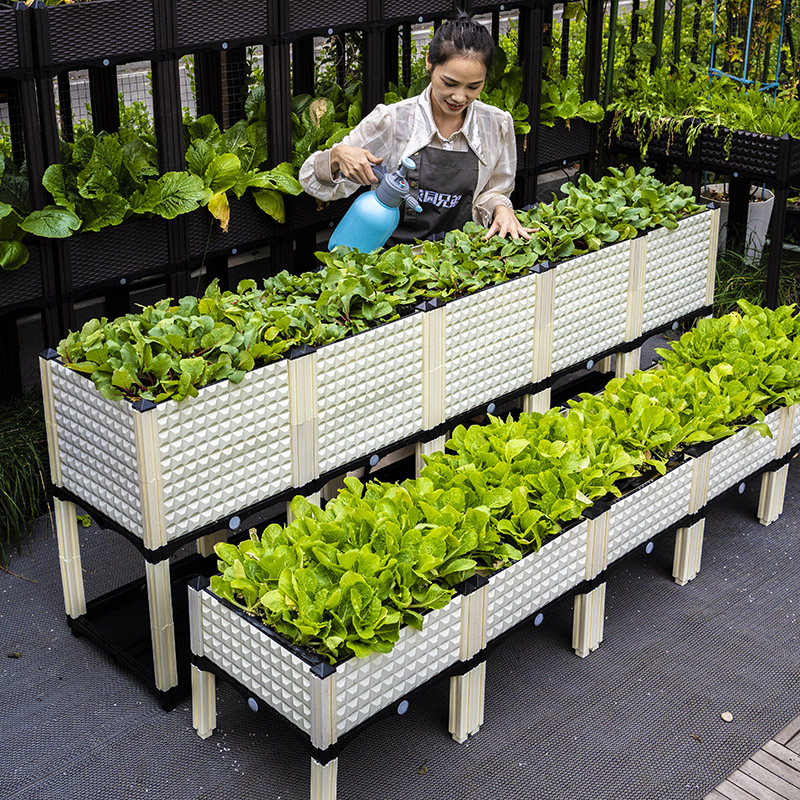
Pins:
x: 426, y: 448
x: 332, y: 487
x: 69, y: 558
x: 773, y: 492
x: 204, y: 702
x: 587, y: 620
x: 688, y: 552
x: 205, y: 544
x: 467, y: 694
x: 604, y: 364
x: 162, y: 628
x: 628, y: 362
x: 323, y: 780
x: 537, y: 403
x: 315, y: 498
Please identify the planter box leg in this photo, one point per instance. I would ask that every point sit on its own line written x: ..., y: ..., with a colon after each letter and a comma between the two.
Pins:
x: 162, y: 628
x: 604, y: 364
x: 426, y: 448
x: 69, y: 557
x: 688, y: 552
x: 332, y: 487
x: 628, y: 362
x: 323, y: 780
x: 312, y: 498
x: 773, y: 491
x: 587, y: 620
x: 467, y: 694
x: 536, y: 403
x: 205, y: 544
x: 204, y: 702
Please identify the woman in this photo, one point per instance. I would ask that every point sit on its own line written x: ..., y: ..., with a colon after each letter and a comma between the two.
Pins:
x: 464, y: 150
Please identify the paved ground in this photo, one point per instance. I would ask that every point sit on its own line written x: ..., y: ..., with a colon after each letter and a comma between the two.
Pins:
x: 639, y: 718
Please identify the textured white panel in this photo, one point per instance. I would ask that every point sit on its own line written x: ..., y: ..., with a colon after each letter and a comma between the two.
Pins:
x: 737, y: 456
x: 366, y: 685
x: 590, y: 304
x: 269, y: 670
x: 648, y: 511
x: 225, y: 449
x: 519, y: 590
x: 369, y: 391
x: 488, y: 344
x: 97, y: 448
x: 796, y: 428
x: 676, y: 270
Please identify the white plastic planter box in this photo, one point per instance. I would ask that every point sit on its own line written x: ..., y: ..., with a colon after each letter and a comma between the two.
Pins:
x: 331, y: 701
x: 679, y: 269
x: 169, y: 469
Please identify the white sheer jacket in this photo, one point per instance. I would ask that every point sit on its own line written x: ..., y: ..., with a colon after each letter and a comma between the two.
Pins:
x: 402, y: 129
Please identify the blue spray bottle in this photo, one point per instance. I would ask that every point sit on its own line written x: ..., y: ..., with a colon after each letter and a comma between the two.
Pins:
x: 373, y: 217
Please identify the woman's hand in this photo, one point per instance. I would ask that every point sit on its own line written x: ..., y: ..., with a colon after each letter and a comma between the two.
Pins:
x: 505, y: 223
x: 355, y: 163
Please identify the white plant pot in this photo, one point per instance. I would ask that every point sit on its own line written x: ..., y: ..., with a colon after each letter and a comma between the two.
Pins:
x: 759, y: 212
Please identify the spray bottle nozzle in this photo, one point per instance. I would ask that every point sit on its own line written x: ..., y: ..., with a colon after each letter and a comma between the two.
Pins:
x: 413, y: 204
x: 406, y: 164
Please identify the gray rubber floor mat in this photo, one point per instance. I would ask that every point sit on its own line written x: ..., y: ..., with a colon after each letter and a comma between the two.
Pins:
x: 639, y: 718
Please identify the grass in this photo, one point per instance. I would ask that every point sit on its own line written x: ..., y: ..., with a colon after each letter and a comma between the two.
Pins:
x: 23, y: 471
x: 739, y: 278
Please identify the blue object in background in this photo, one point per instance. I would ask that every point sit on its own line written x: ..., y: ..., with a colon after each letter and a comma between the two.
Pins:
x: 373, y: 217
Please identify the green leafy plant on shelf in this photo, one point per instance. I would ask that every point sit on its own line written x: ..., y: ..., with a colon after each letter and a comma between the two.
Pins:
x: 171, y: 350
x: 672, y: 102
x: 344, y: 579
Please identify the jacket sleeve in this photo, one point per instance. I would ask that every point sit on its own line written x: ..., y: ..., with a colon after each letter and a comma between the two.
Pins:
x: 373, y: 133
x: 497, y: 189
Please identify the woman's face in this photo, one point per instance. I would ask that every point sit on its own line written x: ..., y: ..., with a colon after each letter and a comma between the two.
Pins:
x: 455, y: 84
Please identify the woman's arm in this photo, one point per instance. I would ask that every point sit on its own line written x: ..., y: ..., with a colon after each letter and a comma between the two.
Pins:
x: 493, y: 204
x: 326, y: 174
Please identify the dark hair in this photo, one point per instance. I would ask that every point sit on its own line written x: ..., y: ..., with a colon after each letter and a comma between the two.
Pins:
x: 462, y: 36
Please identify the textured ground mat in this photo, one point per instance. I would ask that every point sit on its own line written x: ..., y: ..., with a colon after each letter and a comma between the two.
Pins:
x: 640, y: 718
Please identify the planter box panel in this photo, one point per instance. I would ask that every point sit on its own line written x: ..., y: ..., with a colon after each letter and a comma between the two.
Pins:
x: 90, y: 32
x: 225, y: 449
x: 366, y: 685
x: 97, y: 448
x: 796, y: 427
x: 307, y: 15
x: 664, y: 146
x: 676, y: 270
x: 648, y: 511
x: 589, y: 304
x: 737, y: 456
x: 249, y: 225
x: 529, y: 584
x: 562, y: 145
x: 752, y: 153
x: 305, y: 213
x: 488, y: 344
x: 400, y: 9
x: 200, y: 21
x: 22, y: 285
x: 9, y: 46
x: 122, y: 251
x: 369, y: 391
x: 271, y: 671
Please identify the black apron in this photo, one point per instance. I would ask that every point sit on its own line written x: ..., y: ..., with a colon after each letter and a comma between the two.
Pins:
x: 443, y: 183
